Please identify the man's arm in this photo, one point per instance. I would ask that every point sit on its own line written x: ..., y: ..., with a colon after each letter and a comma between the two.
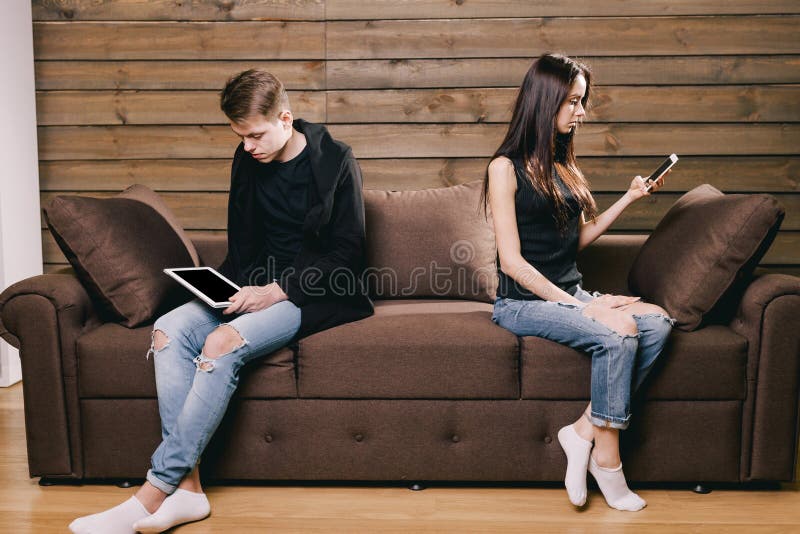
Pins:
x: 227, y: 267
x: 347, y: 234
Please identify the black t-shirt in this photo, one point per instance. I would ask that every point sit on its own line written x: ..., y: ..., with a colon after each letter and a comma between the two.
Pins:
x: 551, y: 251
x: 282, y: 198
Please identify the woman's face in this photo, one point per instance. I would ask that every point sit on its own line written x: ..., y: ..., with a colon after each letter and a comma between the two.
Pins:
x: 571, y: 112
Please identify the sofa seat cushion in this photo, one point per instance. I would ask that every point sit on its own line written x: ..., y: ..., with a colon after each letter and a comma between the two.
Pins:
x: 112, y: 364
x: 419, y: 349
x: 706, y: 364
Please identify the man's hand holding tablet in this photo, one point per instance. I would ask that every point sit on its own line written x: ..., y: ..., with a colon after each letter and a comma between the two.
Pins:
x: 255, y: 298
x: 217, y: 291
x: 210, y: 286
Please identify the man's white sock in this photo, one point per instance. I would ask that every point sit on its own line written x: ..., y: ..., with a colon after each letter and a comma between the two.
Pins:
x: 181, y: 507
x: 615, y: 489
x: 578, y: 451
x: 117, y: 520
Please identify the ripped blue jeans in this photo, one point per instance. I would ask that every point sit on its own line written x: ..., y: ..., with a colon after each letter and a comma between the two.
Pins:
x: 194, y: 390
x: 619, y: 363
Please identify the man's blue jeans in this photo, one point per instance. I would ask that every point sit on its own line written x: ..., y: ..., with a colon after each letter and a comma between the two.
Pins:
x: 193, y: 390
x: 619, y: 363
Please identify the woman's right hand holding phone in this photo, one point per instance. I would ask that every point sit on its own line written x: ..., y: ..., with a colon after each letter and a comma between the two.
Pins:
x: 641, y: 188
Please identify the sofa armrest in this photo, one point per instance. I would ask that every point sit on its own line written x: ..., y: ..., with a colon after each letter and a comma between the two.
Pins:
x: 769, y: 317
x: 211, y: 249
x: 43, y: 317
x: 64, y: 292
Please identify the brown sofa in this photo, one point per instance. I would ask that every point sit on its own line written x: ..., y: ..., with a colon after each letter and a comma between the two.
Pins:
x: 427, y: 389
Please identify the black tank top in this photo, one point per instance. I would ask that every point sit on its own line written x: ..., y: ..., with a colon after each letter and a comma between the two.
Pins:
x: 550, y: 251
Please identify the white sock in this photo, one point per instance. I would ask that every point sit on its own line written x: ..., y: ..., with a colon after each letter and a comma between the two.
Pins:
x: 117, y: 520
x: 181, y: 507
x: 615, y: 489
x: 578, y: 451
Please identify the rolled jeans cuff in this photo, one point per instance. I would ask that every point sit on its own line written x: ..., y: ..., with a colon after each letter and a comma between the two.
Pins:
x: 169, y: 489
x: 604, y: 421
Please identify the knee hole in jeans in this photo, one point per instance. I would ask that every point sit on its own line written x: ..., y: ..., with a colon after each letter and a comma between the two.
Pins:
x: 158, y: 342
x: 222, y: 341
x: 619, y: 322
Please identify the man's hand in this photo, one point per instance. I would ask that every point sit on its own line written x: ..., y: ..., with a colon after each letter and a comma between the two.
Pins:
x: 255, y: 298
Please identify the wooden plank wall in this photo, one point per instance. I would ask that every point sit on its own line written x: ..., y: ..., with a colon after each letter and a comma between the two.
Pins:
x: 127, y: 92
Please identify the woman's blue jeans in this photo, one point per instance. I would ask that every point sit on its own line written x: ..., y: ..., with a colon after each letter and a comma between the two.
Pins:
x: 193, y: 390
x: 620, y: 363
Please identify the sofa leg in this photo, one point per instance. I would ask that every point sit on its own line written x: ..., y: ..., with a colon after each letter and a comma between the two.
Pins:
x: 124, y: 484
x: 701, y: 489
x: 59, y: 481
x: 416, y: 486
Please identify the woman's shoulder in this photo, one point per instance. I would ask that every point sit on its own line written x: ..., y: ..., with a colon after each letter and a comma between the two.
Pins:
x: 502, y: 166
x: 501, y: 163
x: 502, y: 176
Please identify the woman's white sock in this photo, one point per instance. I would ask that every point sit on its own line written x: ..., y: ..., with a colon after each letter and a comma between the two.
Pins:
x: 615, y: 489
x: 117, y: 520
x: 181, y: 507
x: 578, y: 451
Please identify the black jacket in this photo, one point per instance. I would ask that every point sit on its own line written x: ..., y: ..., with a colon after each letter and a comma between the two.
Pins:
x: 325, y: 280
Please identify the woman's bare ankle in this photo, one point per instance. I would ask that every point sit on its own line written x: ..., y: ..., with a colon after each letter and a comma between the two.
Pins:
x: 191, y: 486
x: 151, y: 497
x: 191, y: 482
x: 607, y: 460
x: 584, y: 429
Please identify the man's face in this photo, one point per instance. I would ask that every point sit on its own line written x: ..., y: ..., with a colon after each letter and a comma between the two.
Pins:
x: 264, y: 138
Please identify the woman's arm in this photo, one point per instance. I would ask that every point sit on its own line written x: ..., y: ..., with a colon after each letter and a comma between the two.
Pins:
x: 502, y: 189
x: 591, y: 230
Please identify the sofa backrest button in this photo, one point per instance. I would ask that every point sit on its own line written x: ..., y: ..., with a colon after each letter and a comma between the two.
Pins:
x: 548, y: 439
x: 359, y: 437
x: 455, y: 438
x: 268, y: 438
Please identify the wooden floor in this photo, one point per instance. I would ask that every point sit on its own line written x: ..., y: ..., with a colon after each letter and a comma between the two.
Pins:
x: 27, y: 507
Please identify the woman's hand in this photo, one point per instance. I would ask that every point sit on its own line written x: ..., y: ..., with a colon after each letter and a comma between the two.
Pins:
x: 255, y: 298
x: 612, y: 301
x: 638, y: 187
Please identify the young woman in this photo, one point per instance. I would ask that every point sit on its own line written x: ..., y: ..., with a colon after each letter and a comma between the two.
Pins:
x: 543, y: 215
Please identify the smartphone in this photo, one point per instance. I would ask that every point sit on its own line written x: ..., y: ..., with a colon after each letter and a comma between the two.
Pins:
x: 666, y: 165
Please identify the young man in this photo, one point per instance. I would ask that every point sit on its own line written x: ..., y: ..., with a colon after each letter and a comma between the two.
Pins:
x: 295, y: 246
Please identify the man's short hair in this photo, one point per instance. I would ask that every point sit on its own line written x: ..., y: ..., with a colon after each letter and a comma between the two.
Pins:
x: 253, y: 92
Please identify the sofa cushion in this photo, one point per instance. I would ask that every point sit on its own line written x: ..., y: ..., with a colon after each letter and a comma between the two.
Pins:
x: 119, y: 246
x: 707, y: 364
x: 700, y: 256
x: 112, y: 364
x: 418, y: 349
x: 430, y: 243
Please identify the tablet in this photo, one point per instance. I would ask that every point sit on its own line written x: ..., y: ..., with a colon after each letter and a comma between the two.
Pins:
x: 209, y: 285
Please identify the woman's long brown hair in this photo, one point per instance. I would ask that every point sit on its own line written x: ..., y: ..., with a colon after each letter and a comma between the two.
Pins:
x: 532, y: 135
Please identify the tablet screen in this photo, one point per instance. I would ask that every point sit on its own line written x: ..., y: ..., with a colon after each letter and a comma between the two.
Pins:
x: 209, y: 283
